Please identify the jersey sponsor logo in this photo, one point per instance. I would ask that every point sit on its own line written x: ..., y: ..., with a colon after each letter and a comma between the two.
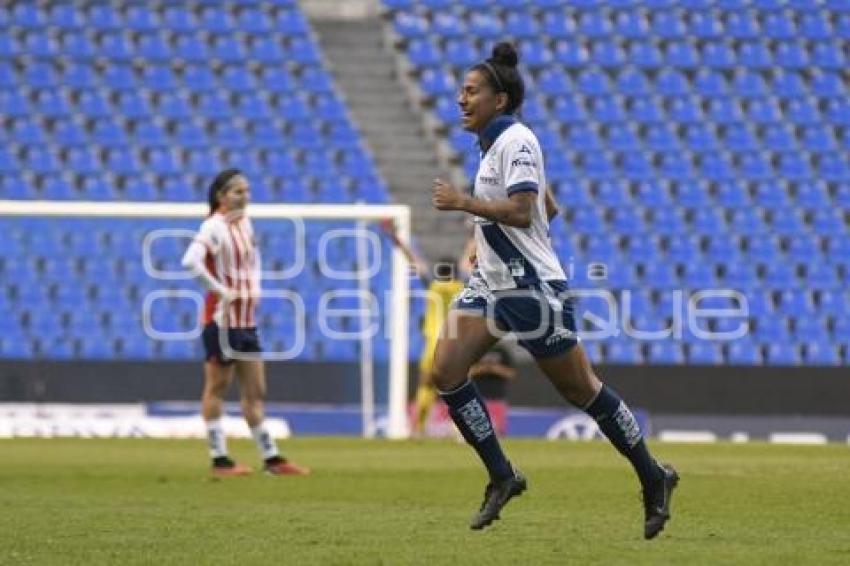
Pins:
x: 524, y: 149
x: 523, y: 163
x: 485, y: 180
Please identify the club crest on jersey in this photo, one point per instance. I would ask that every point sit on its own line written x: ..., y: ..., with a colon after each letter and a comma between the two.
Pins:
x: 516, y: 267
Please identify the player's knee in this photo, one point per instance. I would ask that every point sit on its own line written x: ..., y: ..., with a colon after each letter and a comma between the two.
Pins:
x: 216, y: 388
x: 446, y: 375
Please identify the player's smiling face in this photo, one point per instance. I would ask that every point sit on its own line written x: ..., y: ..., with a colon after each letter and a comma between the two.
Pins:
x: 235, y: 195
x: 478, y: 102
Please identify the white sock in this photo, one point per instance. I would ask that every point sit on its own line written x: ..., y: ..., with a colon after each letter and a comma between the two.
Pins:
x: 216, y: 441
x: 265, y: 443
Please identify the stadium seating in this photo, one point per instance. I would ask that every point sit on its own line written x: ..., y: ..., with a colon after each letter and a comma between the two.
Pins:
x: 703, y: 143
x: 145, y: 101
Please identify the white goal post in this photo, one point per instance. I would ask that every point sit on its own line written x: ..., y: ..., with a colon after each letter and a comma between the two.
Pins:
x: 399, y: 303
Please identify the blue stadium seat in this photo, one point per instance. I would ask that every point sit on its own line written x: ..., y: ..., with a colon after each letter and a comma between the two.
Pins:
x: 486, y: 26
x: 554, y: 25
x: 65, y: 16
x: 423, y: 52
x: 778, y: 25
x: 593, y: 24
x: 191, y: 48
x: 607, y: 109
x: 569, y: 109
x: 821, y: 354
x: 795, y: 304
x: 522, y: 25
x: 607, y: 54
x: 120, y: 76
x: 668, y: 24
x: 832, y: 166
x: 738, y: 137
x: 812, y: 194
x: 749, y: 84
x: 571, y: 54
x: 771, y: 194
x: 778, y: 137
x: 828, y: 55
x: 753, y: 166
x: 710, y: 83
x: 829, y: 222
x: 104, y: 17
x: 791, y: 55
x: 742, y: 24
x: 682, y: 55
x: 748, y: 221
x: 788, y: 84
x: 665, y: 353
x: 178, y: 18
x: 700, y: 137
x: 718, y: 55
x: 645, y: 54
x: 153, y: 47
x: 409, y: 25
x: 780, y: 276
x: 291, y: 22
x: 783, y: 354
x: 254, y: 20
x: 837, y: 111
x: 821, y: 275
x: 802, y: 112
x: 794, y: 167
x: 831, y: 302
x: 448, y: 25
x: 39, y: 44
x: 660, y: 275
x: 27, y: 131
x: 436, y: 82
x: 724, y: 111
x: 826, y: 84
x: 754, y: 55
x: 744, y: 352
x: 623, y: 352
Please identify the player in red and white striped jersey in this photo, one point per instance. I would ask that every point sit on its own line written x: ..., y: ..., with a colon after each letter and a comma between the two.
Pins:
x: 225, y: 259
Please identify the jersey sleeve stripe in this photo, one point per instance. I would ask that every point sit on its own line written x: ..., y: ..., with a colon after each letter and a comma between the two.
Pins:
x: 523, y: 187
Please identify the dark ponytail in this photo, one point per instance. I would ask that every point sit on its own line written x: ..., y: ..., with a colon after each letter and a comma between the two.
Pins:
x: 219, y: 183
x: 502, y: 74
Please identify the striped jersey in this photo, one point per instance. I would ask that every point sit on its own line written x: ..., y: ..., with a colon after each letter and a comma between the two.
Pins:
x: 232, y: 258
x: 511, y: 162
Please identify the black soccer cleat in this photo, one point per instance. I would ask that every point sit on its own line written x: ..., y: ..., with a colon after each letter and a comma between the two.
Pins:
x: 496, y: 496
x: 656, y: 503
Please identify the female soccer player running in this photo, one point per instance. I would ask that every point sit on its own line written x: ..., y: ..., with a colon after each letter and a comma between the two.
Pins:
x: 225, y: 259
x: 520, y: 286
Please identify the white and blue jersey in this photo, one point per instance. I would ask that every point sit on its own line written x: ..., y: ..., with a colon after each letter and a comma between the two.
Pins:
x: 518, y: 280
x: 512, y: 162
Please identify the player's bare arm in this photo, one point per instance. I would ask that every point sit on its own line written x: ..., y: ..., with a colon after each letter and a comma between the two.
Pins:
x: 513, y: 211
x: 551, y: 205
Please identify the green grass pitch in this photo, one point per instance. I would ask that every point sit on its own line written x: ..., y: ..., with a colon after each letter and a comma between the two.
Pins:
x: 378, y: 502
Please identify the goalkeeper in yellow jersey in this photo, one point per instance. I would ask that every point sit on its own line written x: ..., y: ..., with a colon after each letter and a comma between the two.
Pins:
x: 444, y: 280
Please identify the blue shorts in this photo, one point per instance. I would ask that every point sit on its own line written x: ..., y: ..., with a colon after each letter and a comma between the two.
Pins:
x: 542, y: 316
x: 239, y: 340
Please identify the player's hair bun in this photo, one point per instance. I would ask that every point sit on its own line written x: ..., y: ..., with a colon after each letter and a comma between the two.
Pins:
x: 504, y: 53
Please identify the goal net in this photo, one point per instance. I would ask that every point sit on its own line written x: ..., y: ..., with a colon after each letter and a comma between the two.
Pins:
x: 109, y: 274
